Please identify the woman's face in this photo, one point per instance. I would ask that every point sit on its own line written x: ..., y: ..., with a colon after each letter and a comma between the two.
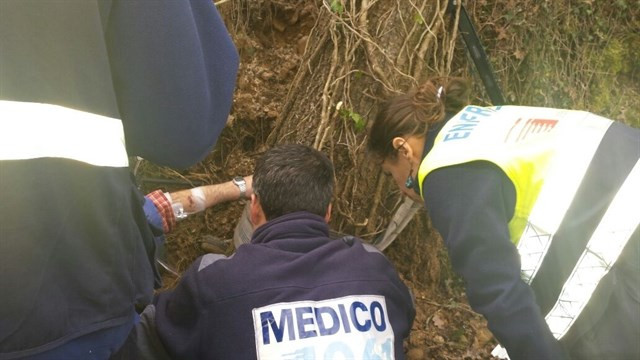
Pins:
x: 400, y: 168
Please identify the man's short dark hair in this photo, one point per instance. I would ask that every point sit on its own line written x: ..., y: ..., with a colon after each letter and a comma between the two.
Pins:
x: 293, y: 177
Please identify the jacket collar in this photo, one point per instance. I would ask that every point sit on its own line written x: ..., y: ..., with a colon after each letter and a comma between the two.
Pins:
x: 292, y: 227
x: 432, y: 133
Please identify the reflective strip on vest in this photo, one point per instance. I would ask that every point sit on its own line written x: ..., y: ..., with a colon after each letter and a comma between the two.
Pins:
x: 35, y: 130
x: 561, y: 183
x: 602, y: 251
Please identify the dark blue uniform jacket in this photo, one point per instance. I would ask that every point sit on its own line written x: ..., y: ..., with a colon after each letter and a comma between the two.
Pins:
x: 291, y: 258
x: 76, y: 252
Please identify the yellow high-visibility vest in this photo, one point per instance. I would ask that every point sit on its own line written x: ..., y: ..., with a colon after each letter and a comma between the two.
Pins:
x: 545, y: 153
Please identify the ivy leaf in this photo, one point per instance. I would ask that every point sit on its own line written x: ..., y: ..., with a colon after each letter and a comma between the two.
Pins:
x: 358, y: 120
x: 337, y: 7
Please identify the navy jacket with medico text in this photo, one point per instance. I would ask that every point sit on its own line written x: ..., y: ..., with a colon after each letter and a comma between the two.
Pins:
x: 293, y: 292
x: 83, y: 85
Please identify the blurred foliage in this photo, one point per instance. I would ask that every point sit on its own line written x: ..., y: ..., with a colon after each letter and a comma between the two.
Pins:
x: 578, y: 54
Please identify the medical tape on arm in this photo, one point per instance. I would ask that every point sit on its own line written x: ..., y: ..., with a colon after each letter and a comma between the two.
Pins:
x: 197, y: 195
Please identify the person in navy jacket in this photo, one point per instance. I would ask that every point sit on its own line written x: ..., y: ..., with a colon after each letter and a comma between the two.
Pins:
x: 84, y: 85
x: 293, y: 292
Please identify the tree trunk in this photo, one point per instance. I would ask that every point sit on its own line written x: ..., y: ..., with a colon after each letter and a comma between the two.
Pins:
x: 357, y: 54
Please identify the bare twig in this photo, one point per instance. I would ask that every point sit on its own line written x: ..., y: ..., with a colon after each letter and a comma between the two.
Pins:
x: 326, y: 101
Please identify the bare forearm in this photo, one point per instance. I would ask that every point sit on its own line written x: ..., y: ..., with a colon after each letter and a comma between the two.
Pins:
x: 200, y: 198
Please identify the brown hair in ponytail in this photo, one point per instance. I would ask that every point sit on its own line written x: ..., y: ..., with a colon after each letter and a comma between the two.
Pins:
x: 412, y: 113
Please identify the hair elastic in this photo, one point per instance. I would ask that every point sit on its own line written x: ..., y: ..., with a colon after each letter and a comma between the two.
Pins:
x: 440, y: 91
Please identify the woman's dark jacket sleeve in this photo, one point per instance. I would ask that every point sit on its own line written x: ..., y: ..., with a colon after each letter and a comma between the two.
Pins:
x: 471, y: 205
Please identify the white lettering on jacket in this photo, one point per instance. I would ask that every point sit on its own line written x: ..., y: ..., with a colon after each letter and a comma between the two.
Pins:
x: 349, y: 327
x: 467, y: 122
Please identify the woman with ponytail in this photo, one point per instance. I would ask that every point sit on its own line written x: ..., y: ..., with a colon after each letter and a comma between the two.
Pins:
x: 538, y: 209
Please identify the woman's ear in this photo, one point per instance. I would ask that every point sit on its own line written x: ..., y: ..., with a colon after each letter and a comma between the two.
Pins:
x: 402, y: 146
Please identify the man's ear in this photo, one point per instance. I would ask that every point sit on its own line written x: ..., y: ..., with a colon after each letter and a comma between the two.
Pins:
x: 256, y: 214
x: 402, y: 146
x: 327, y: 216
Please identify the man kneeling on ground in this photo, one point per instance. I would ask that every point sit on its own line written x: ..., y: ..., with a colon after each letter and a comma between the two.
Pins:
x: 292, y: 292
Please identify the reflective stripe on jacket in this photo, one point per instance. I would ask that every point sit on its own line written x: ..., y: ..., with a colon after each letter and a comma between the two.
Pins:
x: 35, y: 130
x: 77, y: 251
